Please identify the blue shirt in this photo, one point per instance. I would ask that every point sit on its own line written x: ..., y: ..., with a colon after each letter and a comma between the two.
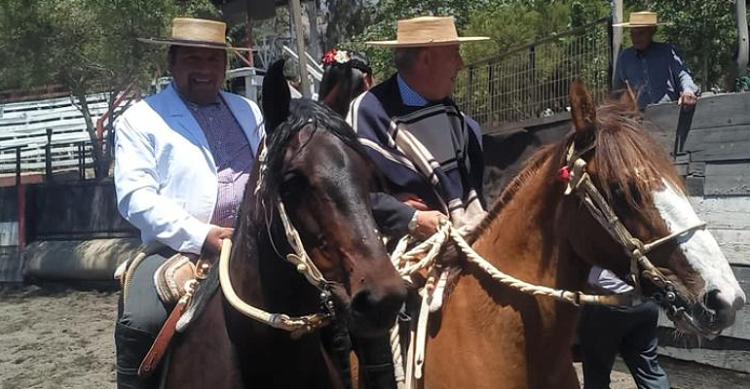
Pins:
x: 656, y: 75
x: 408, y: 95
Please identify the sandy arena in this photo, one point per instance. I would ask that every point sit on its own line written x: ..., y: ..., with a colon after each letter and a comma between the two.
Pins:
x: 56, y: 337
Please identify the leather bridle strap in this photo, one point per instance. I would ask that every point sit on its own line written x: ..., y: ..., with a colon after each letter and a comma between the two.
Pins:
x: 636, y: 250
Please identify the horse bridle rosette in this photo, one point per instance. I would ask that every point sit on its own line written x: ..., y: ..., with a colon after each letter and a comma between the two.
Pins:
x: 578, y: 181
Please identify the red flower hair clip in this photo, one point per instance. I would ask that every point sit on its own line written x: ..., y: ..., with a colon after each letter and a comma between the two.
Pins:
x: 336, y: 56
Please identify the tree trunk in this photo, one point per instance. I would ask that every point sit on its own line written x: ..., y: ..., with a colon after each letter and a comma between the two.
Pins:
x: 101, y: 163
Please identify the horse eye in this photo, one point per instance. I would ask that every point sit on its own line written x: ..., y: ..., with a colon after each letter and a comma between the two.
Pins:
x: 293, y: 182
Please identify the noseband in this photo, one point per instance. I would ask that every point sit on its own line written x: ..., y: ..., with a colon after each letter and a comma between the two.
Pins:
x: 579, y: 182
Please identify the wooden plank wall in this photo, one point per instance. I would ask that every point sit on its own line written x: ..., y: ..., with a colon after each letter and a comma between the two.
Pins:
x: 715, y: 162
x: 10, y: 250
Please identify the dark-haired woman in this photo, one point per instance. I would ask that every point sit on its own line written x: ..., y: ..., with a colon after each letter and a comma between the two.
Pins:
x: 347, y: 74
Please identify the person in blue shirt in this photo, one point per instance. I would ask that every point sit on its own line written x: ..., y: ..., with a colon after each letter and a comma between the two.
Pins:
x: 653, y: 70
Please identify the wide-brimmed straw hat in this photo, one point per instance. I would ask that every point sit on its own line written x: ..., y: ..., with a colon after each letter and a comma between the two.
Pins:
x: 203, y: 33
x: 641, y: 19
x: 427, y: 31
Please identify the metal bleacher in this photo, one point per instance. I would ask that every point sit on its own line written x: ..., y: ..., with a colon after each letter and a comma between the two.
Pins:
x: 25, y: 125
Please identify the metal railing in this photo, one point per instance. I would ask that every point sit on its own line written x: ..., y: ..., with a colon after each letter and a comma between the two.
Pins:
x: 532, y: 81
x: 50, y: 158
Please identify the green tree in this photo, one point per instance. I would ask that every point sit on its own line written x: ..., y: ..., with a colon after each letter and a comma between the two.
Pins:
x: 86, y: 46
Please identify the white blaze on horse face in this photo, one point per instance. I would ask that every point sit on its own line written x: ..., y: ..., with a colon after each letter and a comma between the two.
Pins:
x: 699, y: 247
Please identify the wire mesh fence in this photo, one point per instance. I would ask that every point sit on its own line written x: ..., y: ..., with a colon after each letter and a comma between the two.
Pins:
x: 532, y: 81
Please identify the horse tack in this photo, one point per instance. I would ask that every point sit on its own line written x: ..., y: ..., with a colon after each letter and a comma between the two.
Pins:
x: 601, y: 211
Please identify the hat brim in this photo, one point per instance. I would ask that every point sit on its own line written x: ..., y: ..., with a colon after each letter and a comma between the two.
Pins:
x: 203, y: 45
x: 637, y: 25
x: 395, y: 43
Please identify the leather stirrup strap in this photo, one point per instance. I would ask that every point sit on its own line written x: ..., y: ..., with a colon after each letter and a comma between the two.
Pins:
x: 159, y: 348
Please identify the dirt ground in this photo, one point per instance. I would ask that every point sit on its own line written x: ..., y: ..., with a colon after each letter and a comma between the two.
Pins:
x: 57, y: 337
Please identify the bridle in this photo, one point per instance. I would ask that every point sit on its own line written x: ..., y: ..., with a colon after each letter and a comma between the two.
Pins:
x: 299, y: 258
x: 579, y: 182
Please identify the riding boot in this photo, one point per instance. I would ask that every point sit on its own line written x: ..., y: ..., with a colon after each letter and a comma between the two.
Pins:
x: 376, y: 362
x: 132, y: 346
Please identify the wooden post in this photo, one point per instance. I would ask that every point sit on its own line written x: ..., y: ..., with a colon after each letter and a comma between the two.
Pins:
x: 48, y: 156
x: 616, y: 34
x: 81, y: 161
x: 296, y: 11
x: 18, y: 166
x: 742, y: 38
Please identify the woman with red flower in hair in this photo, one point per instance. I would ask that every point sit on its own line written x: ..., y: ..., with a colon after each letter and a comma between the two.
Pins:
x: 347, y: 74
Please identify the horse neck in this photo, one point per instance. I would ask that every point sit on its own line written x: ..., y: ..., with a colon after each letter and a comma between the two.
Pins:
x: 523, y: 239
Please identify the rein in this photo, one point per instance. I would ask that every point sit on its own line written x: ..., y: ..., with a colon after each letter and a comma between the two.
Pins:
x: 297, y: 326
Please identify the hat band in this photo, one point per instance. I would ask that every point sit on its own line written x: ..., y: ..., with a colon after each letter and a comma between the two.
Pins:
x: 195, y: 42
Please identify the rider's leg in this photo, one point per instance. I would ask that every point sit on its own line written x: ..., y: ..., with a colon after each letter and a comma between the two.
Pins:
x: 139, y: 320
x: 600, y: 332
x: 639, y: 348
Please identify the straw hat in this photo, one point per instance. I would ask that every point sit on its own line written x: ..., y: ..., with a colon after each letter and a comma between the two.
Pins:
x: 641, y: 19
x: 426, y: 31
x: 203, y: 33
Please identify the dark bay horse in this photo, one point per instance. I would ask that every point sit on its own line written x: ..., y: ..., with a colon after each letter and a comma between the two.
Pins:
x: 316, y: 168
x: 491, y: 336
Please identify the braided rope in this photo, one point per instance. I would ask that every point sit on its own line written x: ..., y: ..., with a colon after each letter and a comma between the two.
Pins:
x: 415, y: 260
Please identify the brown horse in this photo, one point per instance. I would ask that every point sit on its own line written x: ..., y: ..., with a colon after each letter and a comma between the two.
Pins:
x: 491, y: 336
x: 317, y: 169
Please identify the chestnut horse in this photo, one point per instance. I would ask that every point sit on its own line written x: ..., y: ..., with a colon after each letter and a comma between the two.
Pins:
x: 491, y: 336
x: 316, y: 168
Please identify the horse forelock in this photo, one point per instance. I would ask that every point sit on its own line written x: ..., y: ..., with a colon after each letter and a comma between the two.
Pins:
x: 304, y: 114
x: 628, y: 159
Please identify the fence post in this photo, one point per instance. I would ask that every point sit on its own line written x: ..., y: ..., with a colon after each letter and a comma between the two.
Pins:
x: 616, y: 34
x: 532, y: 81
x: 469, y: 89
x: 81, y: 162
x: 18, y: 165
x: 48, y: 156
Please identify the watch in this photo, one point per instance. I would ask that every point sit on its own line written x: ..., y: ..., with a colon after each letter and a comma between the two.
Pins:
x: 413, y: 223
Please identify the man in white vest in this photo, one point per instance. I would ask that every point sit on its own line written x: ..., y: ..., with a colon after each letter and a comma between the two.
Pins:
x: 182, y: 161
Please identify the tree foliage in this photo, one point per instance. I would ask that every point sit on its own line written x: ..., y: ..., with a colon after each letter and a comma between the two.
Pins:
x: 85, y: 46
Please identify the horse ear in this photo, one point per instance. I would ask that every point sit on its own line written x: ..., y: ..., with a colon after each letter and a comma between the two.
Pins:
x: 627, y: 97
x: 276, y: 96
x: 582, y: 107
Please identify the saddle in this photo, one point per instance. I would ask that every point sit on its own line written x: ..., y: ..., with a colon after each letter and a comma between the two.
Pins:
x: 177, y: 283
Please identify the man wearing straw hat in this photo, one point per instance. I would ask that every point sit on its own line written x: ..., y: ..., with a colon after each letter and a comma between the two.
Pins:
x: 183, y: 157
x: 427, y: 149
x: 653, y: 70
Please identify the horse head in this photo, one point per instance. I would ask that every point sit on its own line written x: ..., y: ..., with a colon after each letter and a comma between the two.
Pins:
x: 690, y: 276
x: 318, y: 171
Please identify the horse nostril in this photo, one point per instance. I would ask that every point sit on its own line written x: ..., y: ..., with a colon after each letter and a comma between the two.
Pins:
x: 723, y: 308
x: 365, y: 302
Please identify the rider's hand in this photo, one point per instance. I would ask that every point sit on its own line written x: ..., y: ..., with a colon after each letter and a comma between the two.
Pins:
x: 687, y: 99
x: 427, y: 223
x: 212, y: 244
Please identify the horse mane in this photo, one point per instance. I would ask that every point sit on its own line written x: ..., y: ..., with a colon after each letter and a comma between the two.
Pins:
x: 303, y: 113
x: 630, y: 163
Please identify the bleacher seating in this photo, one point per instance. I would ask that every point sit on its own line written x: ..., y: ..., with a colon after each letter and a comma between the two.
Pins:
x: 25, y: 124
